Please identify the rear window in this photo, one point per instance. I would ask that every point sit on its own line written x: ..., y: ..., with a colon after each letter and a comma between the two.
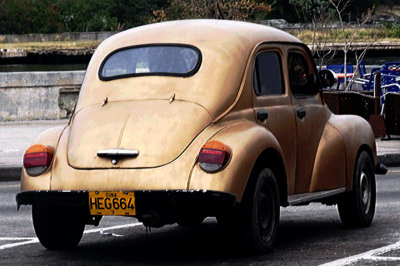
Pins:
x: 161, y: 60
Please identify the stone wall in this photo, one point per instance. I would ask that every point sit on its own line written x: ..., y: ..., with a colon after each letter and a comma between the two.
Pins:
x: 38, y: 95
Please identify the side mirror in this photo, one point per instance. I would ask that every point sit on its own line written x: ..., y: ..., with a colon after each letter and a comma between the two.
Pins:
x: 328, y: 78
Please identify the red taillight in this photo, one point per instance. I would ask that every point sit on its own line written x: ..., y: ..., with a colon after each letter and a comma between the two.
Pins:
x: 37, y: 159
x: 213, y: 156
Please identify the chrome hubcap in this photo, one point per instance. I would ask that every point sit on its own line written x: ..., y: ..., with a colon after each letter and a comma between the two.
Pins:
x: 365, y: 190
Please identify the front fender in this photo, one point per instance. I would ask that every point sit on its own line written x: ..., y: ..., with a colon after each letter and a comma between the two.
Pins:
x: 247, y: 141
x: 356, y: 133
x: 329, y: 171
x: 49, y: 137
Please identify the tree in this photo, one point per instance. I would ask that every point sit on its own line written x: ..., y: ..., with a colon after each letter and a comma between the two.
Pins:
x: 320, y: 15
x: 329, y: 26
x: 219, y: 9
x: 311, y: 10
x: 88, y: 15
x: 29, y: 16
x: 350, y: 34
x: 131, y: 13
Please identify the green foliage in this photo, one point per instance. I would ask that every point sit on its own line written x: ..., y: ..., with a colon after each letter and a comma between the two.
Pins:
x: 27, y: 16
x: 357, y: 8
x: 351, y: 10
x: 391, y: 30
x: 49, y: 16
x: 131, y: 13
x: 309, y: 10
x: 87, y: 15
x: 221, y: 9
x: 282, y: 9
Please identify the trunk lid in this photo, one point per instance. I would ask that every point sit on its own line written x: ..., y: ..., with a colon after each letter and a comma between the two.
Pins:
x: 159, y: 130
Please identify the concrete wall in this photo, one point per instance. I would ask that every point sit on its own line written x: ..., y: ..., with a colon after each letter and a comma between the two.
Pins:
x: 67, y: 36
x: 38, y: 95
x: 44, y: 95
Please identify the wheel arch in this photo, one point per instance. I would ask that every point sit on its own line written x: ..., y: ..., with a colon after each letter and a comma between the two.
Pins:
x: 353, y: 157
x: 365, y: 147
x: 368, y: 150
x: 271, y: 158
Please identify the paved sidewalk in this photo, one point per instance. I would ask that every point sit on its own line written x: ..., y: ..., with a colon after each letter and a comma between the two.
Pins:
x: 16, y: 137
x: 389, y: 151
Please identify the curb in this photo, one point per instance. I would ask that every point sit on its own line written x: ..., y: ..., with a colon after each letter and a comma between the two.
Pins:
x: 389, y: 159
x: 10, y: 173
x: 14, y: 173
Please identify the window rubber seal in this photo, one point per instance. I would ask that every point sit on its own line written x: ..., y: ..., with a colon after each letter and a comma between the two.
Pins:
x: 183, y: 75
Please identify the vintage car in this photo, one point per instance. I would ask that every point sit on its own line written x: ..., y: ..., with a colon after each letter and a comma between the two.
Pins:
x: 182, y: 120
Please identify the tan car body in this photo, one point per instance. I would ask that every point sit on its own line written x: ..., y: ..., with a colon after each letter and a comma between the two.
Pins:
x: 169, y: 119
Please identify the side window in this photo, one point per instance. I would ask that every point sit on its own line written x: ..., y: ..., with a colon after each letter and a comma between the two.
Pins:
x: 300, y: 78
x: 268, y: 78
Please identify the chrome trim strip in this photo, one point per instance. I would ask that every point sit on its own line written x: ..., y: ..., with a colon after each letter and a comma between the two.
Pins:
x: 116, y: 153
x: 307, y: 197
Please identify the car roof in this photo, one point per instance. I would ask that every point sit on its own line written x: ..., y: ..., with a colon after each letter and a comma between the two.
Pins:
x: 225, y: 47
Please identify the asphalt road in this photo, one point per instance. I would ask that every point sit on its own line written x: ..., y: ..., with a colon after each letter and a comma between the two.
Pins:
x: 308, y: 235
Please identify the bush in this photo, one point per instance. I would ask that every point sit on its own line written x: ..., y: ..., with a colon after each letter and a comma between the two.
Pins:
x: 391, y: 30
x: 47, y: 16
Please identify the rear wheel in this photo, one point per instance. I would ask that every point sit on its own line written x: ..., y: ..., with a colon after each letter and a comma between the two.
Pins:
x: 357, y: 208
x: 258, y: 213
x: 57, y: 228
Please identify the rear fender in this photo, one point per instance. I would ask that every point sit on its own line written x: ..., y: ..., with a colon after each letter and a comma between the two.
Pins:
x: 247, y: 142
x: 50, y: 138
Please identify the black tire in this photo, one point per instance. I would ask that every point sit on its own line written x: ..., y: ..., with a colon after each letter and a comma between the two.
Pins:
x: 260, y: 210
x: 57, y: 228
x: 192, y: 220
x: 357, y: 208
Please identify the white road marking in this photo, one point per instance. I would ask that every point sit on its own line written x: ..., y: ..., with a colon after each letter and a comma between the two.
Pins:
x: 15, y: 238
x: 13, y: 245
x: 109, y: 234
x: 32, y: 240
x: 384, y: 258
x: 369, y: 255
x: 111, y: 228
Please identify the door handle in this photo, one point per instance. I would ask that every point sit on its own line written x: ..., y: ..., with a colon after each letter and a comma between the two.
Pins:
x: 301, y: 113
x: 262, y: 115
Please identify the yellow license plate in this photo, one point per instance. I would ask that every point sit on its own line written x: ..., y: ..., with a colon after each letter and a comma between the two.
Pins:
x: 112, y: 203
